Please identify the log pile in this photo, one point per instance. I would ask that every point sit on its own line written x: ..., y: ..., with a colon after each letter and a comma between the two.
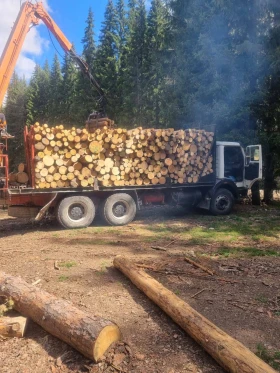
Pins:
x: 19, y: 178
x: 119, y: 157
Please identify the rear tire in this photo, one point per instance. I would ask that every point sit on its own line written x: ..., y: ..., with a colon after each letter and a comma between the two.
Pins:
x: 75, y: 212
x: 118, y: 209
x: 222, y: 202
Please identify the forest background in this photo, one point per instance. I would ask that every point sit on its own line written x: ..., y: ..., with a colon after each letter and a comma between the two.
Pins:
x: 180, y: 64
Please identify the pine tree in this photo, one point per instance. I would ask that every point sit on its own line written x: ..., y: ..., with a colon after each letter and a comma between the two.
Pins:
x: 69, y: 91
x: 39, y: 95
x: 122, y: 27
x: 158, y: 93
x: 88, y: 42
x: 86, y: 97
x: 55, y: 109
x: 16, y: 118
x: 106, y: 58
x: 134, y: 106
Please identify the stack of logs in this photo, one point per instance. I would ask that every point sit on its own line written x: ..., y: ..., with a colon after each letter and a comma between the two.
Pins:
x: 119, y: 157
x: 19, y: 178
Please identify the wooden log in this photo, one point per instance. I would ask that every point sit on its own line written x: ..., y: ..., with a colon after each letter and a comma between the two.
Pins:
x: 21, y: 167
x: 232, y: 355
x: 11, y: 327
x: 22, y: 178
x: 48, y: 160
x: 91, y: 335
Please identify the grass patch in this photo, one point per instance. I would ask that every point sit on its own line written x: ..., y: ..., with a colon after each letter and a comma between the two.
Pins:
x: 227, y: 252
x: 103, y: 268
x: 63, y: 278
x: 67, y: 264
x: 262, y: 299
x: 271, y: 358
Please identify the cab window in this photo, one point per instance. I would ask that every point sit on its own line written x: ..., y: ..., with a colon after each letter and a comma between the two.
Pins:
x: 252, y: 154
x: 234, y: 163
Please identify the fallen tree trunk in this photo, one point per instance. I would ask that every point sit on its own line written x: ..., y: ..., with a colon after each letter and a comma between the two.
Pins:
x: 232, y: 355
x: 90, y: 335
x: 12, y: 326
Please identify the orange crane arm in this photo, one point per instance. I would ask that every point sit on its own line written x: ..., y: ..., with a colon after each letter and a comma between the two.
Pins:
x: 30, y: 15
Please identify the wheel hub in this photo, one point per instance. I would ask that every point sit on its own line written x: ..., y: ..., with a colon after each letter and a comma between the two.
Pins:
x: 119, y: 209
x: 222, y: 202
x: 76, y: 212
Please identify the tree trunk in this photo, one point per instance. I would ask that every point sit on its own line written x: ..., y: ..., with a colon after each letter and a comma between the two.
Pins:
x: 268, y: 179
x: 227, y: 351
x: 256, y: 198
x: 91, y: 335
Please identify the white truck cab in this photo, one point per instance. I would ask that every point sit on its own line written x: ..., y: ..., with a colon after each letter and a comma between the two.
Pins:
x: 244, y: 168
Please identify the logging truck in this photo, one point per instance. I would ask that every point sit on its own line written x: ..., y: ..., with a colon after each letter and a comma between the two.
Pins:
x: 74, y: 174
x: 235, y: 172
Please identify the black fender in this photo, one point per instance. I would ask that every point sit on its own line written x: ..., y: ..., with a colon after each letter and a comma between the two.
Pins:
x: 221, y: 183
x: 225, y: 184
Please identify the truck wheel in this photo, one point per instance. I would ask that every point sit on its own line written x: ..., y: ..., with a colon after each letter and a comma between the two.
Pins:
x: 76, y: 212
x: 222, y: 202
x: 118, y: 209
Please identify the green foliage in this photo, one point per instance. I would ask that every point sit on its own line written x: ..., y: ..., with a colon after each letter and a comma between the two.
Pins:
x: 55, y: 100
x: 271, y: 358
x: 7, y: 306
x: 63, y: 278
x: 69, y: 92
x: 134, y: 77
x: 68, y: 264
x: 106, y: 57
x: 38, y: 96
x: 86, y: 98
x: 16, y: 118
x: 182, y: 63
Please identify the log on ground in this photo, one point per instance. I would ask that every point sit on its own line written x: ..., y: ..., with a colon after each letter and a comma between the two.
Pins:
x: 90, y: 335
x: 232, y: 355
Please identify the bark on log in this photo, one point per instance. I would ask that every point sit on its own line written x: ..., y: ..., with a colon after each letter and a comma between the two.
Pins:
x: 12, y: 326
x: 91, y: 335
x: 232, y: 355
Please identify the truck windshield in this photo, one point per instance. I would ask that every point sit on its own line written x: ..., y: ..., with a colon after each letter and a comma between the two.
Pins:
x: 234, y: 163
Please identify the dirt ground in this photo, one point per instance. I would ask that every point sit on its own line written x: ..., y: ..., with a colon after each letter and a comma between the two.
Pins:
x: 242, y: 298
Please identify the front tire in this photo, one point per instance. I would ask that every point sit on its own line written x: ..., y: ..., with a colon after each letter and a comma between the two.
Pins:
x: 222, y: 202
x: 118, y: 209
x: 76, y: 212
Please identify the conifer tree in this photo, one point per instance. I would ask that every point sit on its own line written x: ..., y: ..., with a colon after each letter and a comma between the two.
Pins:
x: 157, y: 93
x: 122, y: 33
x: 135, y: 83
x: 106, y: 58
x: 87, y: 97
x: 55, y: 101
x: 69, y: 91
x: 15, y: 111
x: 39, y: 95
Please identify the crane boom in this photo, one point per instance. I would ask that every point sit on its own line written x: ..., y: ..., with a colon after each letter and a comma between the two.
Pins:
x: 30, y: 15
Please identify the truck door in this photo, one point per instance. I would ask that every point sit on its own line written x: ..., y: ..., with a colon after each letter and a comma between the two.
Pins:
x: 254, y: 165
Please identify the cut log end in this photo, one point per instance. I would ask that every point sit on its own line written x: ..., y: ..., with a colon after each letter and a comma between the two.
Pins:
x: 109, y: 335
x: 11, y: 327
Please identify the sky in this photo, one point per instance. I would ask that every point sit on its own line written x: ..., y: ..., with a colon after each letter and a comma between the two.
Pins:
x: 70, y: 15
